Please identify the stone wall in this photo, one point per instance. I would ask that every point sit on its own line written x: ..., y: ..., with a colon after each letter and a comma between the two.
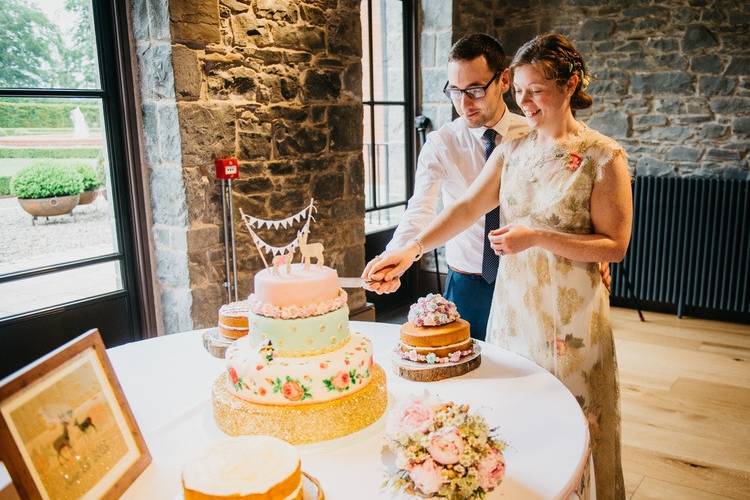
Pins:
x: 435, y: 40
x: 672, y: 78
x: 276, y: 83
x: 161, y: 145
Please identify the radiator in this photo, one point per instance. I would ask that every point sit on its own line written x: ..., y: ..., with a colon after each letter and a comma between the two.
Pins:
x: 690, y: 247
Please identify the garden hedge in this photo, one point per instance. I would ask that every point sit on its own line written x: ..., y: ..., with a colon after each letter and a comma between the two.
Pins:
x: 46, y: 115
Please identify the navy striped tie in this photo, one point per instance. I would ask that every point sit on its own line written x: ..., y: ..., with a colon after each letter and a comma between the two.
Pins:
x: 490, y: 260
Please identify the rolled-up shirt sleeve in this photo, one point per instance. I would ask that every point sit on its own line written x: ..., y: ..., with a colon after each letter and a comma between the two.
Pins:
x: 422, y: 206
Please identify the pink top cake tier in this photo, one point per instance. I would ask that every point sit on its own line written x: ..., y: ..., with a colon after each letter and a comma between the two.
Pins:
x: 299, y: 288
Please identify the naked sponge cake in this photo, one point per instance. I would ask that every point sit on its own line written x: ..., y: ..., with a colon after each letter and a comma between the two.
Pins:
x: 435, y: 332
x: 247, y: 467
x: 435, y: 337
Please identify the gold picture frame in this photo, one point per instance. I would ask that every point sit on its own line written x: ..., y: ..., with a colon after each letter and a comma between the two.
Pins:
x: 66, y: 430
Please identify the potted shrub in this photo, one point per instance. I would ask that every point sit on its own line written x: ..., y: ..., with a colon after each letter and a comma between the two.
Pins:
x: 92, y: 181
x: 44, y: 190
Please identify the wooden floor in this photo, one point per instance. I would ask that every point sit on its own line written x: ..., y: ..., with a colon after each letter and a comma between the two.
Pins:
x: 685, y: 400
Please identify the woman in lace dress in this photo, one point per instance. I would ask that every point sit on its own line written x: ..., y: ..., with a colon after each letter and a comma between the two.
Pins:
x: 564, y: 191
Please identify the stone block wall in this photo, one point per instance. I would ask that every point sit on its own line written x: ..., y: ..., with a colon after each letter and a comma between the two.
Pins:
x: 161, y: 144
x: 435, y: 40
x: 276, y: 83
x: 672, y: 78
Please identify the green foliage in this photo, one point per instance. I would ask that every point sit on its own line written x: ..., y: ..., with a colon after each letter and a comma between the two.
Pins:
x: 50, y: 152
x: 91, y: 178
x: 46, y: 181
x: 30, y: 46
x: 47, y: 115
x: 36, y: 54
x: 5, y: 186
x: 79, y: 59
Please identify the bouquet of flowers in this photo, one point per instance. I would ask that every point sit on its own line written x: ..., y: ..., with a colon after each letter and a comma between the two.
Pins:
x: 443, y: 451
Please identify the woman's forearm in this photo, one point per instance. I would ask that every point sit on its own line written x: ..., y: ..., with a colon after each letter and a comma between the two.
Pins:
x: 580, y: 247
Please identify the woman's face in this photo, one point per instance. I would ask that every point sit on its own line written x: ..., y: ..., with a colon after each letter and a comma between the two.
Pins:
x: 542, y: 100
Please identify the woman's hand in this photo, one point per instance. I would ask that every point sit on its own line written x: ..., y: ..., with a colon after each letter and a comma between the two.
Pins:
x: 382, y: 273
x: 513, y: 238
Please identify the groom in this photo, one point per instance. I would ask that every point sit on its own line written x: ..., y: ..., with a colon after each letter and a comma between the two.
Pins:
x: 448, y: 163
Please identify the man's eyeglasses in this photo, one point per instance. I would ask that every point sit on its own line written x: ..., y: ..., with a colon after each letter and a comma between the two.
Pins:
x: 473, y: 92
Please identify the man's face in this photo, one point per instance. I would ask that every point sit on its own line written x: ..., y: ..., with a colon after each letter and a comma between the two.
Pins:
x: 484, y: 111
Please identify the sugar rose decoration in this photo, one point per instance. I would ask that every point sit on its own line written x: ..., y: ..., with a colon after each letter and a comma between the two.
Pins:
x: 433, y: 310
x: 443, y: 451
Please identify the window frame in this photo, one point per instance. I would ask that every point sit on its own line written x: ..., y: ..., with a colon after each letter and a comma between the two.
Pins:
x: 119, y: 104
x: 408, y: 103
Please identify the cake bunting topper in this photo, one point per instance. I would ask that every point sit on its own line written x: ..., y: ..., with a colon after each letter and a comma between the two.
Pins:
x: 284, y: 255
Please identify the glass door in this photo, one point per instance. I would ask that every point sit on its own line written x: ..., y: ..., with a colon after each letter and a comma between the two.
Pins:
x: 65, y: 239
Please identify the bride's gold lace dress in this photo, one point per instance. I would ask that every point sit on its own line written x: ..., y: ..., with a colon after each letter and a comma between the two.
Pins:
x: 550, y: 309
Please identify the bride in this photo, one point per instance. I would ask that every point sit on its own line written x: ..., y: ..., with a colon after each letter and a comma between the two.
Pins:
x: 564, y: 190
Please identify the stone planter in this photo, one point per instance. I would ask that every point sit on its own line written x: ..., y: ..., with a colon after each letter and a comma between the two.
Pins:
x: 88, y: 197
x: 46, y: 207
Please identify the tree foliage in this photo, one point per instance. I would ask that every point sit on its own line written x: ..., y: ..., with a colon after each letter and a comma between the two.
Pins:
x: 33, y: 52
x: 29, y: 46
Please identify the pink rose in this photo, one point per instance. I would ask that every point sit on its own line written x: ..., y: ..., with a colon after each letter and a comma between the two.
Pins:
x: 341, y: 381
x: 491, y: 470
x: 427, y: 476
x: 415, y: 417
x: 292, y: 390
x: 446, y: 446
x: 575, y: 162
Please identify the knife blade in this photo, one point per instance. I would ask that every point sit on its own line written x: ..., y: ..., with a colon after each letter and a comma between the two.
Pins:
x: 352, y: 282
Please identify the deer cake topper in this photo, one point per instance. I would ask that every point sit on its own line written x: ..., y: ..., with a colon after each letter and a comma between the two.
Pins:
x: 282, y: 257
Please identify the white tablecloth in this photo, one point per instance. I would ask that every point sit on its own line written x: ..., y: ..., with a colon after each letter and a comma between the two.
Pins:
x: 167, y: 381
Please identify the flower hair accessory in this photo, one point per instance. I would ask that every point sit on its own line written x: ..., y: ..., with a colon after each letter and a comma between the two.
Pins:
x: 443, y: 451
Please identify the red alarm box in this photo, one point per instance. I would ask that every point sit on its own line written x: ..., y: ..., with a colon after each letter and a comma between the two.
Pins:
x: 227, y: 168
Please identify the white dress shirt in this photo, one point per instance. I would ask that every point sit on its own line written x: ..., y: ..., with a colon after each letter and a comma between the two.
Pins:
x: 448, y: 163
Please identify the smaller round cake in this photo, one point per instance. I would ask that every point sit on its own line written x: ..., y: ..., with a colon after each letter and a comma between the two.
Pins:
x: 246, y: 467
x: 233, y: 322
x: 435, y: 337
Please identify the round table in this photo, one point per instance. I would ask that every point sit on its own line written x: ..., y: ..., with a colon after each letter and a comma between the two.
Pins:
x: 167, y: 382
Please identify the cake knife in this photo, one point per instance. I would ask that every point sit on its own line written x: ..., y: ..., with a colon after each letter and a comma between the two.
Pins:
x: 353, y: 282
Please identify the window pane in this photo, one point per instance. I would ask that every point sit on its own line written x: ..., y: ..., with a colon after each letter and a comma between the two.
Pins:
x: 49, y: 290
x: 387, y: 50
x: 378, y: 220
x: 50, y: 148
x: 48, y: 44
x: 390, y: 154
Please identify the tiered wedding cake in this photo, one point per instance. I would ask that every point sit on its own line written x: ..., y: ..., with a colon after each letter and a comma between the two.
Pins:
x: 300, y: 374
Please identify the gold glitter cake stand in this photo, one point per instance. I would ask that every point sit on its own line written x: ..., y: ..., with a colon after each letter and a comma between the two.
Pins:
x: 301, y: 424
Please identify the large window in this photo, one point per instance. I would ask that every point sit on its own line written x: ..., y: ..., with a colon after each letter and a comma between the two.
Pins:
x: 387, y: 90
x: 65, y: 242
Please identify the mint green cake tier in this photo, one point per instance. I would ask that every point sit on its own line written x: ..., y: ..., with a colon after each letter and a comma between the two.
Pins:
x: 303, y: 336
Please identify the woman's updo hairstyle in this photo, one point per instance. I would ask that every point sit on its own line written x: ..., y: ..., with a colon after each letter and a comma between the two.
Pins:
x: 559, y: 60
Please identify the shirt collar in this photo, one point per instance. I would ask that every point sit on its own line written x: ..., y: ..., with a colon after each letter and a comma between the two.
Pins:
x: 501, y: 127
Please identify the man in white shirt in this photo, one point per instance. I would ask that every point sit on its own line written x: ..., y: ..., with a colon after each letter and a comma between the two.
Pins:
x: 449, y: 162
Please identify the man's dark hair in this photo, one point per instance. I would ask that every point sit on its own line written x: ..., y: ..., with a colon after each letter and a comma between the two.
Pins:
x: 479, y: 44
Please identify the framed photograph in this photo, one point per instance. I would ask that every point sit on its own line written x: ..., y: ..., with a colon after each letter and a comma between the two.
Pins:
x: 66, y: 430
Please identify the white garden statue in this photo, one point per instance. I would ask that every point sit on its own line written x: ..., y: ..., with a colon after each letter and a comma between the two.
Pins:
x: 311, y: 250
x: 80, y: 129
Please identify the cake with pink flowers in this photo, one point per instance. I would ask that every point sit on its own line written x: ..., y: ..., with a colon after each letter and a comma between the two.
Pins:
x: 435, y: 332
x: 300, y: 374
